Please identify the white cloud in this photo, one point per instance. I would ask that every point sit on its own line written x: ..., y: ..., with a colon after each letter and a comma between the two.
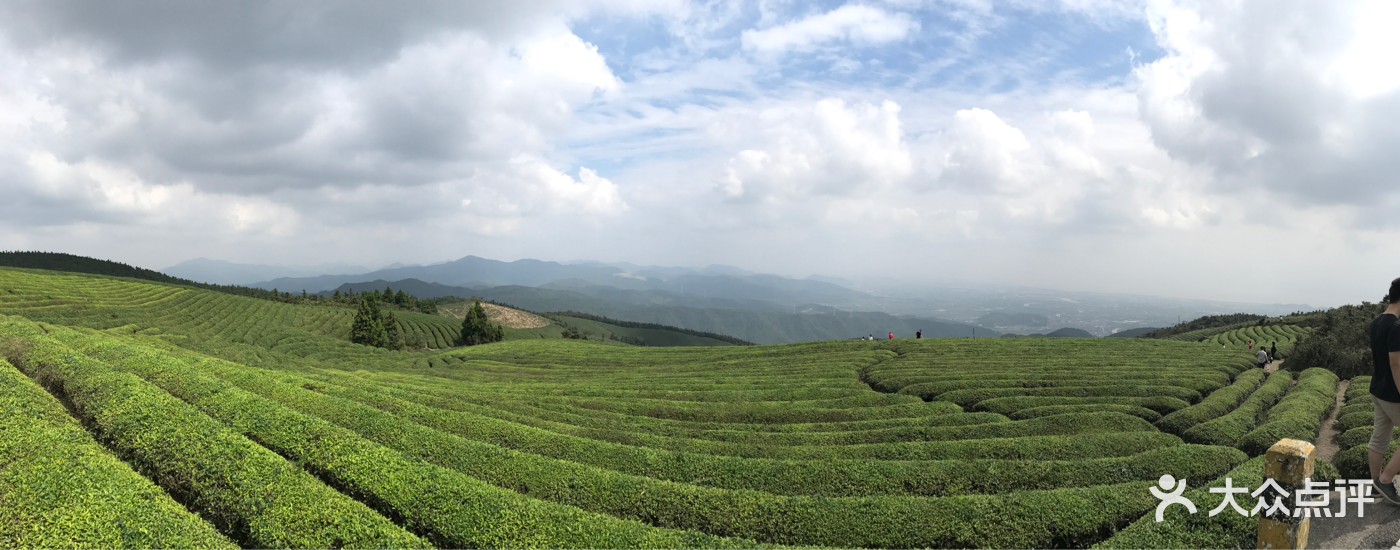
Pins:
x: 530, y: 187
x: 1292, y: 97
x: 821, y: 148
x: 1364, y: 65
x: 854, y: 23
x: 984, y: 153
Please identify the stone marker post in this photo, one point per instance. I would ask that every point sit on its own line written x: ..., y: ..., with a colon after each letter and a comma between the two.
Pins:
x: 1288, y: 463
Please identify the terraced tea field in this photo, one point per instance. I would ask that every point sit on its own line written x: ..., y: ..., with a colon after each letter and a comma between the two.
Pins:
x: 196, y: 419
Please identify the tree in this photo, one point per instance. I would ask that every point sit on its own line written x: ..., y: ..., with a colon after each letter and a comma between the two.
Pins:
x: 427, y: 306
x: 368, y: 326
x: 477, y: 329
x: 401, y: 298
x: 393, y: 337
x: 388, y: 295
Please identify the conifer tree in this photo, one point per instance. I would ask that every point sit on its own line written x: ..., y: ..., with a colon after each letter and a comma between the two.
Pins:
x: 401, y: 298
x: 393, y: 338
x: 477, y: 329
x: 368, y: 327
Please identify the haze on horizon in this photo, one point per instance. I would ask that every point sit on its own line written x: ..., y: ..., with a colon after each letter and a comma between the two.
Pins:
x: 1238, y: 151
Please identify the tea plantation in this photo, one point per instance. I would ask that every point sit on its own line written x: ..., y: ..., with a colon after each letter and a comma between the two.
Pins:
x: 141, y: 414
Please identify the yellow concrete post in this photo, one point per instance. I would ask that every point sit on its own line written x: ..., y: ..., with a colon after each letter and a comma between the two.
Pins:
x: 1288, y: 463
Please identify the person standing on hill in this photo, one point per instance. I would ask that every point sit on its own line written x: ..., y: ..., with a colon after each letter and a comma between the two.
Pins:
x: 1385, y: 393
x: 1273, y: 352
x: 892, y: 336
x: 919, y: 334
x: 1261, y: 357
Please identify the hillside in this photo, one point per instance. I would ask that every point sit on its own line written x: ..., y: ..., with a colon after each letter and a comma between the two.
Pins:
x: 229, y: 411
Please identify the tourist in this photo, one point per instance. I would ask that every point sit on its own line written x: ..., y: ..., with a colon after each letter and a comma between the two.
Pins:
x: 1385, y: 393
x: 919, y: 334
x: 1262, y: 357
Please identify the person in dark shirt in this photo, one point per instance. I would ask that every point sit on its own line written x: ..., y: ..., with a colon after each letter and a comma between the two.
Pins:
x: 1273, y: 352
x: 1385, y: 394
x: 919, y: 334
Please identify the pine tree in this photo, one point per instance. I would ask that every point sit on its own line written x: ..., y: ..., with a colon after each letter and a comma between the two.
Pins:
x: 388, y: 295
x: 477, y: 329
x: 368, y: 328
x: 393, y: 338
x: 401, y: 298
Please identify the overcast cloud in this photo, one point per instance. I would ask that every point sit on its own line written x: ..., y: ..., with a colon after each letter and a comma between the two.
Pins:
x: 1241, y: 150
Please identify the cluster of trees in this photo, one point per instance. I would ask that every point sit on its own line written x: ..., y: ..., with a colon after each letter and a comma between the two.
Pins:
x: 478, y: 329
x: 387, y: 299
x: 379, y: 327
x: 571, y: 333
x: 375, y: 327
x: 1340, y: 342
x: 1209, y: 321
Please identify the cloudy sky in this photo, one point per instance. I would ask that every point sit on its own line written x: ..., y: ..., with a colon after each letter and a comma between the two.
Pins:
x: 1235, y: 150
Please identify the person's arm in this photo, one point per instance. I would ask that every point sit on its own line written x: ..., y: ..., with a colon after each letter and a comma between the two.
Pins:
x: 1395, y: 368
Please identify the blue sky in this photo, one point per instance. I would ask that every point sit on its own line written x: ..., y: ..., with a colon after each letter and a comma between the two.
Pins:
x: 1224, y: 150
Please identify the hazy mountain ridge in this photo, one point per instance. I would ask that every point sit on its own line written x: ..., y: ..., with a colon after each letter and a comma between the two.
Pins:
x: 220, y: 272
x: 764, y: 327
x: 1001, y: 309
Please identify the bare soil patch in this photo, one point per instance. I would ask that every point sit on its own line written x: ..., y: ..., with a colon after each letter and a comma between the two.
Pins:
x: 512, y: 318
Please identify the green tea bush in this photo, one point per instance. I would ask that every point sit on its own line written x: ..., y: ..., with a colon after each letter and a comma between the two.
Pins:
x: 1228, y: 429
x: 970, y: 398
x: 1298, y: 415
x: 249, y: 492
x: 1050, y: 410
x: 1226, y: 530
x: 61, y: 489
x: 1215, y: 405
x: 1011, y: 405
x: 801, y: 520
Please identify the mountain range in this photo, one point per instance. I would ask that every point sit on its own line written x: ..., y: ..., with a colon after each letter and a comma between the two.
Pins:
x: 778, y: 325
x: 753, y: 306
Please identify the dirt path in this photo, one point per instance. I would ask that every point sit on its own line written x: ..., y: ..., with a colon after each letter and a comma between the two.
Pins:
x: 1326, y: 448
x: 1271, y: 367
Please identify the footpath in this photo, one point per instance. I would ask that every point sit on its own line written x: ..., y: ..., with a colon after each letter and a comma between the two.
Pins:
x: 1379, y: 528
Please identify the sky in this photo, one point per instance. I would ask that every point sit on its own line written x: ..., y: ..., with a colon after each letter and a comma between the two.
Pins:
x: 1233, y: 150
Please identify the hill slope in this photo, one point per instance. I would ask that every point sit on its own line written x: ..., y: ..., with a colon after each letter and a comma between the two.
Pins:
x: 254, y: 413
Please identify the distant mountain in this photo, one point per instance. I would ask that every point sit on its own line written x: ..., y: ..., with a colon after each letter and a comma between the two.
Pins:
x: 1005, y: 319
x: 833, y: 280
x: 1132, y: 332
x: 764, y: 327
x: 722, y: 283
x: 471, y: 269
x: 662, y: 297
x: 1069, y: 332
x: 220, y: 272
